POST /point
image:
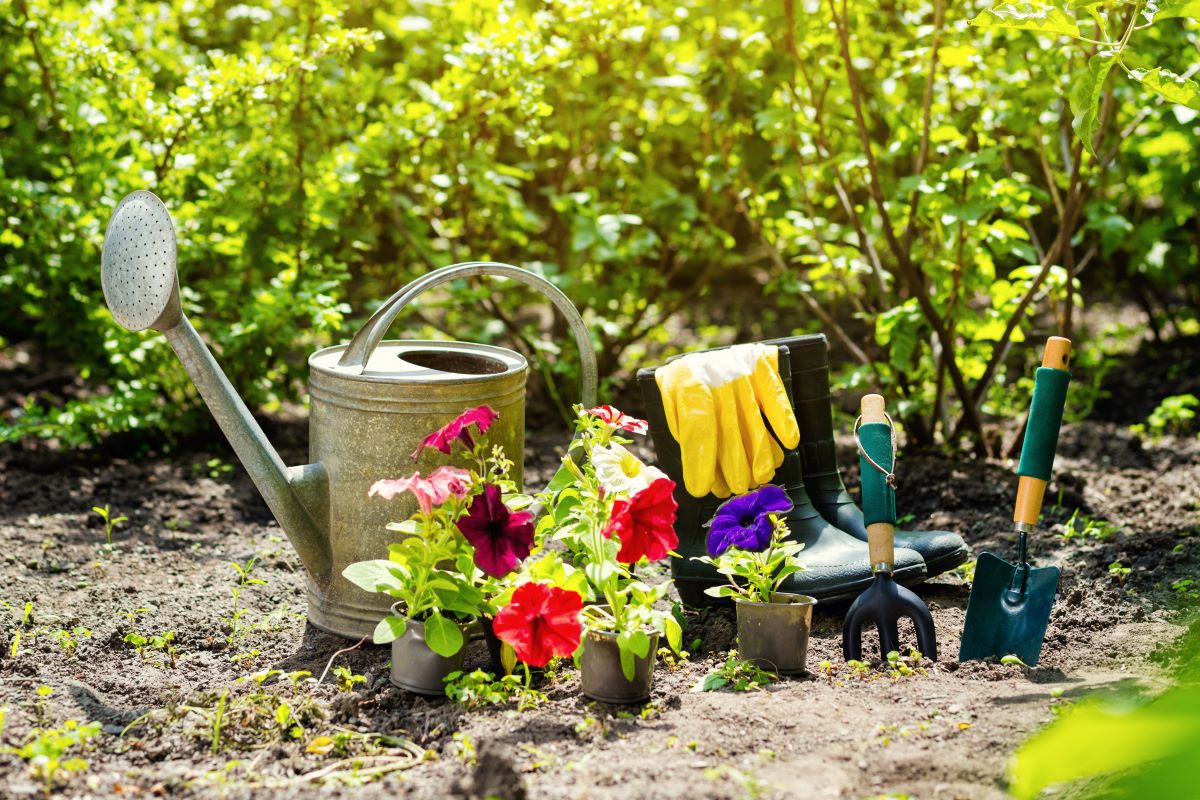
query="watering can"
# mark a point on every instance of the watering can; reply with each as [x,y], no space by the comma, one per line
[372,401]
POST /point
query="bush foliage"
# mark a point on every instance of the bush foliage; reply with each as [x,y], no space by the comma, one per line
[928,192]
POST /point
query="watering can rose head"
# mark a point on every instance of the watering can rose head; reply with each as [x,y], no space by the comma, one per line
[458,430]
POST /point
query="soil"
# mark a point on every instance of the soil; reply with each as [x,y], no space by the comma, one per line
[945,731]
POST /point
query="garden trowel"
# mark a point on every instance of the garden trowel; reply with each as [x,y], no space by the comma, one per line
[1009,606]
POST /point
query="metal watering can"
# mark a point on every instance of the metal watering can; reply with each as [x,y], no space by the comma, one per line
[372,401]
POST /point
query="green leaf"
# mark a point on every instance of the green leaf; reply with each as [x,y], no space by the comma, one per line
[442,635]
[1152,744]
[722,591]
[1178,8]
[374,576]
[389,629]
[1174,88]
[674,633]
[1086,91]
[1041,17]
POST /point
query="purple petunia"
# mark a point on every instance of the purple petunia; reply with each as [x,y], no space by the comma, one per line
[743,521]
[501,538]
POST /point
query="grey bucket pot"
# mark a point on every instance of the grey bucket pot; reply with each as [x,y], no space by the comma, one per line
[372,401]
[774,635]
[601,676]
[417,668]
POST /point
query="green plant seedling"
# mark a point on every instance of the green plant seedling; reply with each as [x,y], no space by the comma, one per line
[1119,571]
[68,640]
[347,678]
[735,675]
[110,523]
[1084,527]
[244,580]
[478,688]
[46,751]
[1174,415]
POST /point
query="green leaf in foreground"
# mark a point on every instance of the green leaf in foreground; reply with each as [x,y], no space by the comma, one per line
[1086,91]
[1152,748]
[1041,17]
[1174,88]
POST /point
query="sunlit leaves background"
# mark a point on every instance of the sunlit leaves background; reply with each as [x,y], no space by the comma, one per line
[689,173]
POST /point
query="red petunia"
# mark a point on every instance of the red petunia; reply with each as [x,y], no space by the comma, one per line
[540,622]
[619,419]
[645,523]
[501,538]
[458,429]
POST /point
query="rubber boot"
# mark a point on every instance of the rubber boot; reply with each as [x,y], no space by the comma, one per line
[808,356]
[836,565]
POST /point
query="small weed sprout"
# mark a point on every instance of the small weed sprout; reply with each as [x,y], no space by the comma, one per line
[1186,587]
[671,660]
[905,666]
[21,626]
[68,640]
[478,688]
[236,630]
[110,523]
[1119,572]
[146,644]
[735,675]
[347,678]
[1175,415]
[46,750]
[1078,527]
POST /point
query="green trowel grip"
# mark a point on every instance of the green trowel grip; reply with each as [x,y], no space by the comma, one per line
[1045,418]
[879,499]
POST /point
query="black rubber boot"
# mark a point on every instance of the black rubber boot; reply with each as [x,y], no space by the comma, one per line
[808,356]
[836,565]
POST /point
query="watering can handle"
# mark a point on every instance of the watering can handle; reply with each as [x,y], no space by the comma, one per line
[355,357]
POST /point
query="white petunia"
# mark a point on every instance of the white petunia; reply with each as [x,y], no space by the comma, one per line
[621,472]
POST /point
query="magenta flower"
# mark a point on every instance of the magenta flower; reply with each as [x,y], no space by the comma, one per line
[501,538]
[458,429]
[431,491]
[618,419]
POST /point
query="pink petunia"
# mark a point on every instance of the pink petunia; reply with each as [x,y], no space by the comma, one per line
[430,492]
[619,419]
[458,429]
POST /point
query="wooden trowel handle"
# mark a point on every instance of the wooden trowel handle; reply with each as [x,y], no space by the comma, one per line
[1030,490]
[880,535]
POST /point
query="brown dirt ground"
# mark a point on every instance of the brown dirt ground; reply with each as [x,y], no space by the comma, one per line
[943,733]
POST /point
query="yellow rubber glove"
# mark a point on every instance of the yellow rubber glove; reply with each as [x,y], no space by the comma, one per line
[715,403]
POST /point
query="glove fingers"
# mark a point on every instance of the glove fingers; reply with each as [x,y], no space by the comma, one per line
[731,454]
[720,488]
[754,434]
[689,411]
[773,399]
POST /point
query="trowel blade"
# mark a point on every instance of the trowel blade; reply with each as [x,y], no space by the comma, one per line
[1002,622]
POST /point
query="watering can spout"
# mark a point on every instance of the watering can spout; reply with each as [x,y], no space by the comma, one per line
[298,496]
[141,288]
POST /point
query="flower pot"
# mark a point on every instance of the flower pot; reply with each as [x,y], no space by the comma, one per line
[494,645]
[417,668]
[602,677]
[774,635]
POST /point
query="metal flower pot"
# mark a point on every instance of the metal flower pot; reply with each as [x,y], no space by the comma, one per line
[372,401]
[601,673]
[417,668]
[774,635]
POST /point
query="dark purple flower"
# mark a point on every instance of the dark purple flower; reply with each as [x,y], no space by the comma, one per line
[743,521]
[501,538]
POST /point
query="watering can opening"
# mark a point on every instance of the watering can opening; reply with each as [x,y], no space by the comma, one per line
[449,361]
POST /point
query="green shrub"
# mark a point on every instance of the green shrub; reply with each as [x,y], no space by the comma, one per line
[669,168]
